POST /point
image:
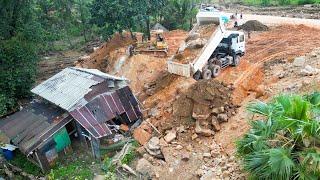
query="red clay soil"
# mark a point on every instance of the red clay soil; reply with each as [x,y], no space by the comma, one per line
[279,42]
[99,58]
[282,42]
[174,39]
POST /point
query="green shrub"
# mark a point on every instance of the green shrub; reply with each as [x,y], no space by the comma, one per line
[284,140]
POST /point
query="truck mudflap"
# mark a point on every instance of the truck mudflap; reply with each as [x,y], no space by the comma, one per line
[179,69]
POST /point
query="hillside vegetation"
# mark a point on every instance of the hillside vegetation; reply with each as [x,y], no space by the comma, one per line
[284,139]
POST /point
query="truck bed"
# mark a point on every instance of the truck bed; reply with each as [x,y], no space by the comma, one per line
[186,66]
[190,54]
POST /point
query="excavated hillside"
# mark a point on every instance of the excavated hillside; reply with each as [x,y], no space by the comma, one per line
[171,103]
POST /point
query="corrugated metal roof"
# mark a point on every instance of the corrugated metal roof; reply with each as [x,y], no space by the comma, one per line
[94,116]
[67,88]
[27,127]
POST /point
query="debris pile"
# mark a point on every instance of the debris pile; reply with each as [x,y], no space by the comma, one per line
[207,101]
[254,25]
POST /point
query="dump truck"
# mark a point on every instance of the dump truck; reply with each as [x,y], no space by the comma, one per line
[222,49]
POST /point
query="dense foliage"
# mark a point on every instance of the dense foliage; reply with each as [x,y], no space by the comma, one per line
[284,139]
[19,35]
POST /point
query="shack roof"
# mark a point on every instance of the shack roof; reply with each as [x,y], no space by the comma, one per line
[95,116]
[33,125]
[68,88]
[158,26]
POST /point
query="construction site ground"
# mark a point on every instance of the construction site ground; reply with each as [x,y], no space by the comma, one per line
[267,69]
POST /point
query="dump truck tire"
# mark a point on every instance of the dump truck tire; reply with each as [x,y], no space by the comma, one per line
[207,74]
[236,60]
[215,70]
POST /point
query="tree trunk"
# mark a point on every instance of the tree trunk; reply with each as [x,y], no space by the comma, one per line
[148,27]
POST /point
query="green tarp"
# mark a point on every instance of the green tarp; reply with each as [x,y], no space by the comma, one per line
[62,139]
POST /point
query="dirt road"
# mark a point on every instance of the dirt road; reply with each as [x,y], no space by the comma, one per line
[276,20]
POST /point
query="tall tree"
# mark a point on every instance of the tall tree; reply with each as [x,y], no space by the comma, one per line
[19,36]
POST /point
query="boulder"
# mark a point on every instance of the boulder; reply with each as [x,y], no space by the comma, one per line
[222,118]
[215,124]
[196,44]
[193,36]
[145,168]
[309,71]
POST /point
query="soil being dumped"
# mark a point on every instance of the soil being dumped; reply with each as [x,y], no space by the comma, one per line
[194,43]
[254,25]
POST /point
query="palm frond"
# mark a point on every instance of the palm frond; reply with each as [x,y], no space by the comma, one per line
[281,162]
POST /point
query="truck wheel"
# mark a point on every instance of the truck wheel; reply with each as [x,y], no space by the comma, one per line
[236,60]
[215,70]
[197,75]
[207,74]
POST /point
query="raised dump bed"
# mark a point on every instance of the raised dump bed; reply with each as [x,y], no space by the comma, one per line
[208,48]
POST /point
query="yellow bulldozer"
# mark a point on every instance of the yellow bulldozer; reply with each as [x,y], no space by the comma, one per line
[156,46]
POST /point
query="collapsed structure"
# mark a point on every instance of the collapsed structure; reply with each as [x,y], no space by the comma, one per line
[84,104]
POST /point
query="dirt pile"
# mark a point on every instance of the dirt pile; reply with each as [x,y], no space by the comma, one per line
[254,25]
[207,101]
[99,58]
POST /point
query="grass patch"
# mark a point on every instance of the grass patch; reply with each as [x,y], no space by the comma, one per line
[74,170]
[21,161]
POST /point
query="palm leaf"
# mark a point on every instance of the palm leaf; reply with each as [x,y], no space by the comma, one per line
[281,162]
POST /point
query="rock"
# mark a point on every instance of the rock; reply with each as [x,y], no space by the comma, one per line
[215,111]
[222,118]
[141,136]
[153,147]
[154,112]
[154,143]
[281,75]
[200,172]
[193,36]
[144,167]
[185,157]
[221,109]
[206,155]
[208,175]
[226,174]
[150,92]
[215,124]
[201,111]
[179,147]
[309,71]
[162,142]
[194,136]
[181,129]
[170,136]
[196,44]
[214,153]
[299,61]
[189,147]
